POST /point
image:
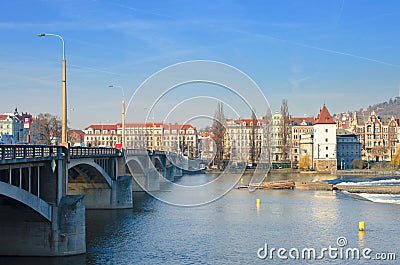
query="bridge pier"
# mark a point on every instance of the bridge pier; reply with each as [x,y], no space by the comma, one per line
[150,181]
[23,233]
[37,218]
[177,172]
[119,196]
[153,180]
[101,178]
[172,172]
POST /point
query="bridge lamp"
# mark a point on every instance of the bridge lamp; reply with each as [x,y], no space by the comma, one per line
[64,141]
[122,114]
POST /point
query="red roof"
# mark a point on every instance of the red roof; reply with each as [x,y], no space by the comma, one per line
[324,117]
[157,125]
[179,127]
[141,125]
[246,121]
[102,127]
[206,134]
[298,121]
[3,117]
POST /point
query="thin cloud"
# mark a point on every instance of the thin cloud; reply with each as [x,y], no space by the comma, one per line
[140,10]
[299,44]
[297,81]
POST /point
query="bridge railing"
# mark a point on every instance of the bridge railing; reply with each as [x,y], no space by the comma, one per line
[136,151]
[132,152]
[18,152]
[77,152]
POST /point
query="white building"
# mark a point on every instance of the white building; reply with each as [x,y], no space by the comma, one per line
[301,138]
[206,146]
[239,139]
[180,139]
[175,138]
[324,142]
[14,128]
[101,135]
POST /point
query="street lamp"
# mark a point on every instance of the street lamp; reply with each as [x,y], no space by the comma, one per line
[123,115]
[152,130]
[64,141]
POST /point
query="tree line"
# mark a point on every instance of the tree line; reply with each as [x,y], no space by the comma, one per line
[221,136]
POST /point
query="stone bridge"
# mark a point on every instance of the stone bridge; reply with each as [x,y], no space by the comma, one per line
[150,168]
[44,191]
[37,216]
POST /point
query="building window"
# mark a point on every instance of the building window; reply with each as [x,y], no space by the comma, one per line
[326,139]
[326,155]
[326,148]
[326,130]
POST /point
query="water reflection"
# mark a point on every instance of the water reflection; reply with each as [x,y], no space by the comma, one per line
[79,259]
[361,243]
[231,229]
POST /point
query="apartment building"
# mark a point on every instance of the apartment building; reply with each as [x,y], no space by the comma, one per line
[244,139]
[378,136]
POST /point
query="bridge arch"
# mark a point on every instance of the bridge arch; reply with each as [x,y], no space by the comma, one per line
[158,165]
[89,164]
[28,199]
[135,165]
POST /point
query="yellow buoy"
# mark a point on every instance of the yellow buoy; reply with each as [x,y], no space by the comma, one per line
[241,180]
[258,201]
[361,226]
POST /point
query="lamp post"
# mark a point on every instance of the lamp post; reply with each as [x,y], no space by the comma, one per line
[122,114]
[152,130]
[64,141]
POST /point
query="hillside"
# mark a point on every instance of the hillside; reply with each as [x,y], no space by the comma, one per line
[387,108]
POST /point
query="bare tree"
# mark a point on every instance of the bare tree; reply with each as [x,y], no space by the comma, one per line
[74,137]
[285,130]
[255,146]
[266,145]
[218,129]
[46,129]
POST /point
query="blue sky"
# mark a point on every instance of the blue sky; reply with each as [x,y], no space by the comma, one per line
[342,53]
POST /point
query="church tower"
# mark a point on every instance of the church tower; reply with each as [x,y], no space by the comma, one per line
[324,144]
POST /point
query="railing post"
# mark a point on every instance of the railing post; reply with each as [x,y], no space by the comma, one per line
[30,179]
[10,174]
[20,178]
[38,181]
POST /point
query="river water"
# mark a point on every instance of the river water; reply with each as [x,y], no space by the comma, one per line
[232,229]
